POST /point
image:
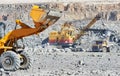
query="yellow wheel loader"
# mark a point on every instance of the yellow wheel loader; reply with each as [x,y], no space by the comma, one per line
[11,57]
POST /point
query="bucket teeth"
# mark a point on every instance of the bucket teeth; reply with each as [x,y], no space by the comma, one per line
[51,11]
[55,13]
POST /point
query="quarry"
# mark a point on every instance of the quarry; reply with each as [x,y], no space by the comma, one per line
[55,60]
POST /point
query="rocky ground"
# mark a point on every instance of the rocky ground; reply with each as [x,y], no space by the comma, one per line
[60,62]
[51,61]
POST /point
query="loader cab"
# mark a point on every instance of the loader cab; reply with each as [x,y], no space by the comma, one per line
[0,33]
[0,37]
[2,29]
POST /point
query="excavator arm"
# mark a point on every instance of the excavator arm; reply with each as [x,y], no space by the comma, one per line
[82,32]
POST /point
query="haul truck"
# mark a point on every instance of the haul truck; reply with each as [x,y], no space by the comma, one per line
[11,57]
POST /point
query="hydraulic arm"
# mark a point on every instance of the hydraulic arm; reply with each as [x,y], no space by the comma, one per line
[12,58]
[82,32]
[42,19]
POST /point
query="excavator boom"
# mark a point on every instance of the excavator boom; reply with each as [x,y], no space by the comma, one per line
[82,32]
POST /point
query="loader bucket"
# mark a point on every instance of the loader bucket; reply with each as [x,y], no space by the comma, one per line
[42,16]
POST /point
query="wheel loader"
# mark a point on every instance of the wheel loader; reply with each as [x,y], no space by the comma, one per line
[12,56]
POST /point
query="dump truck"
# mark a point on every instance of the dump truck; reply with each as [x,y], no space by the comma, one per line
[69,34]
[12,56]
[100,46]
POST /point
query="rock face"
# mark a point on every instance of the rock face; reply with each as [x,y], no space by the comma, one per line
[72,11]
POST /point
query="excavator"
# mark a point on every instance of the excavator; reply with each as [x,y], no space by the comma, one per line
[12,56]
[68,34]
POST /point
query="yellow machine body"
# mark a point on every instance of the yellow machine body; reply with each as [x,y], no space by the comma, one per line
[69,34]
[42,20]
[65,36]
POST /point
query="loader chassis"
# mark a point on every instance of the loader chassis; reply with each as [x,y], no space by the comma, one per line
[11,58]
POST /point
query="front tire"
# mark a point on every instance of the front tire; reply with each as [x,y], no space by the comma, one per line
[105,49]
[26,61]
[10,61]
